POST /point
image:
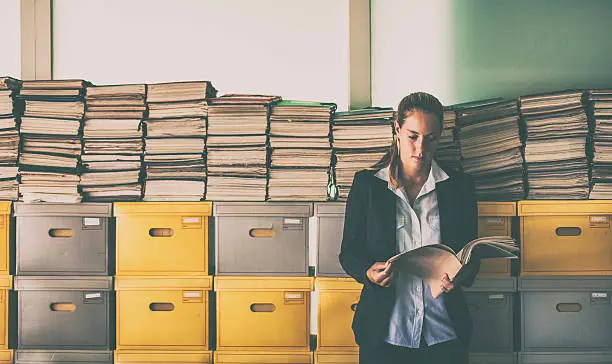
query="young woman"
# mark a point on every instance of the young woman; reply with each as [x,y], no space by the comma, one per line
[404,202]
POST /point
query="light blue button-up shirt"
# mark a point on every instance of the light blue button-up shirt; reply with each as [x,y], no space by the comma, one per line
[416,313]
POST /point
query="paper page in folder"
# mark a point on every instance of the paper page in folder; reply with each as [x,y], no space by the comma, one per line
[429,263]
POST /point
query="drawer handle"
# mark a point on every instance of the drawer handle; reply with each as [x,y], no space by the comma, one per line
[161,306]
[62,307]
[263,307]
[569,307]
[261,233]
[568,231]
[161,232]
[60,233]
[354,307]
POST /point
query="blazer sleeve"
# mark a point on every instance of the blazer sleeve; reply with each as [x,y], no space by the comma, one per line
[352,251]
[470,229]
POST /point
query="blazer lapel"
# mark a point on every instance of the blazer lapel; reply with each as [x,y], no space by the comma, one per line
[386,209]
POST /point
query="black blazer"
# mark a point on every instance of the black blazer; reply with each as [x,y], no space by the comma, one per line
[370,236]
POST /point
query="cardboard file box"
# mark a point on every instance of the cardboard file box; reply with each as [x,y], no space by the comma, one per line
[262,357]
[162,238]
[566,313]
[330,225]
[495,218]
[63,357]
[64,313]
[338,299]
[62,239]
[265,314]
[5,237]
[566,237]
[268,238]
[491,304]
[329,357]
[162,357]
[162,313]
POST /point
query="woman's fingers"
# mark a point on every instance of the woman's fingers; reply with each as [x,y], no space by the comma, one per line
[446,284]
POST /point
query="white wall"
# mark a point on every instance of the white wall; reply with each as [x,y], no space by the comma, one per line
[474,49]
[411,49]
[10,38]
[293,48]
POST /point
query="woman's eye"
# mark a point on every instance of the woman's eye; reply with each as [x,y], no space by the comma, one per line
[413,137]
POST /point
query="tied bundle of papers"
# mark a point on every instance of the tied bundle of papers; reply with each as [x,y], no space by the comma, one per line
[448,154]
[431,262]
[491,149]
[9,138]
[175,140]
[600,118]
[301,152]
[556,131]
[237,147]
[51,143]
[112,142]
[360,138]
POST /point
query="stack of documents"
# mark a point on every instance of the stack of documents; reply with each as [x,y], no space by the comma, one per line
[448,154]
[360,138]
[9,138]
[556,131]
[601,121]
[51,143]
[491,149]
[112,142]
[237,147]
[175,140]
[301,151]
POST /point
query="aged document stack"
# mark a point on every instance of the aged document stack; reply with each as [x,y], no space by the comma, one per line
[448,153]
[9,138]
[51,144]
[556,131]
[600,112]
[491,149]
[175,140]
[360,138]
[237,147]
[112,142]
[301,151]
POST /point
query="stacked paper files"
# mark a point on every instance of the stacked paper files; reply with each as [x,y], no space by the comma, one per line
[600,115]
[175,149]
[491,149]
[237,147]
[113,142]
[10,111]
[360,138]
[556,131]
[301,152]
[51,140]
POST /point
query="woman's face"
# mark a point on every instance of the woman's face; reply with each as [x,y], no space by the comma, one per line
[418,139]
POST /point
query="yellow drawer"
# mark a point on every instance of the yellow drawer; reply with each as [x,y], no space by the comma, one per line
[163,357]
[162,238]
[5,223]
[262,357]
[163,313]
[336,358]
[263,313]
[338,298]
[495,218]
[6,356]
[566,237]
[6,284]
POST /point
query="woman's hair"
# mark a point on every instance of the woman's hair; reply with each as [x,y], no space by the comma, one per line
[420,101]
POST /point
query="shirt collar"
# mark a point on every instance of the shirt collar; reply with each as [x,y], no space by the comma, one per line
[436,175]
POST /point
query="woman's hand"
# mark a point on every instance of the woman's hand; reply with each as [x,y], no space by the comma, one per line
[446,284]
[380,274]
